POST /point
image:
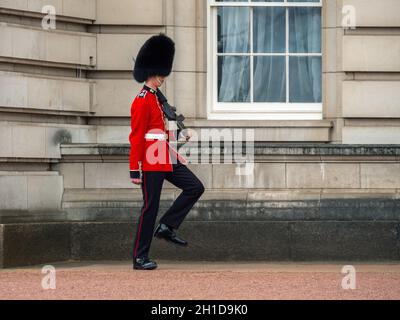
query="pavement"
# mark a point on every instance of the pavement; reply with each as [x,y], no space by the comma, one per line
[203,280]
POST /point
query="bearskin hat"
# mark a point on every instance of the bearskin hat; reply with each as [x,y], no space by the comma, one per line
[155,58]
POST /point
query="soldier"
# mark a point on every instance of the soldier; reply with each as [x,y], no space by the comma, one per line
[152,159]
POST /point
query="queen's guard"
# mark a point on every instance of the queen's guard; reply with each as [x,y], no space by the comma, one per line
[152,158]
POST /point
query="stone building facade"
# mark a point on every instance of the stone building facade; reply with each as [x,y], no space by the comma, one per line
[65,96]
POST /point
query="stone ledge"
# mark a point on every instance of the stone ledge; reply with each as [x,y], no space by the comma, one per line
[86,15]
[239,204]
[39,15]
[228,211]
[48,64]
[260,148]
[199,123]
[231,205]
[58,31]
[29,244]
[46,112]
[32,216]
[248,195]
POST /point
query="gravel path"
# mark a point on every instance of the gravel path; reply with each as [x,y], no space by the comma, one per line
[172,280]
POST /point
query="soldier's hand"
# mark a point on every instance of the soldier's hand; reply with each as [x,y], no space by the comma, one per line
[136,181]
[189,135]
[186,134]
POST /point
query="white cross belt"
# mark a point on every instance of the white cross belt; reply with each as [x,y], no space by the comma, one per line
[156,136]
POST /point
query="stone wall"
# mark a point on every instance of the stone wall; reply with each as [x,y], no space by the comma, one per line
[65,94]
[371,61]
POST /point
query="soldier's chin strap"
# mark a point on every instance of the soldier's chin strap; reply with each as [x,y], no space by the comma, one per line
[159,81]
[170,111]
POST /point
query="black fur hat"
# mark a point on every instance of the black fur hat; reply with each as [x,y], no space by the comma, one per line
[155,58]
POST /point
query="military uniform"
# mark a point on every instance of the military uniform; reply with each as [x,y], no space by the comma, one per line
[154,160]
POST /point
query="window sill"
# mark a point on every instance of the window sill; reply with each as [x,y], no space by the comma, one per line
[259,123]
[271,130]
[265,116]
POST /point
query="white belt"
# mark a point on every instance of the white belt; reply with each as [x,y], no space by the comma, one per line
[156,136]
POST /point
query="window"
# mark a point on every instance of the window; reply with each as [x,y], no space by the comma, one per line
[265,59]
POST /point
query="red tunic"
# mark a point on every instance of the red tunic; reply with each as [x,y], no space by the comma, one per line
[148,154]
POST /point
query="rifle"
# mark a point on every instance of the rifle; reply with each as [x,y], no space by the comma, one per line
[170,112]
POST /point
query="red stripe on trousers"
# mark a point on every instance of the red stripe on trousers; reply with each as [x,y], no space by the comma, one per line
[141,216]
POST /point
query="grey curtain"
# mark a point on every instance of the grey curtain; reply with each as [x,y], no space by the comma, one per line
[269,31]
[305,72]
[234,71]
[269,36]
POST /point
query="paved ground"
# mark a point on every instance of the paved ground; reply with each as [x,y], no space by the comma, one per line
[116,280]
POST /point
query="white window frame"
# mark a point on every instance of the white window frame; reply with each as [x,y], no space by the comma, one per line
[254,110]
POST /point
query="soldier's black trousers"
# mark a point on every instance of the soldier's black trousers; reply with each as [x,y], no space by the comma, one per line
[152,182]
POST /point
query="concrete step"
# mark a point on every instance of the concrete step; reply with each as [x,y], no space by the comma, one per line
[265,225]
[241,204]
[217,210]
[41,243]
[275,230]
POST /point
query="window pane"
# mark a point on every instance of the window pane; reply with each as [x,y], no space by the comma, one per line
[303,0]
[233,79]
[269,79]
[305,79]
[233,29]
[305,30]
[269,29]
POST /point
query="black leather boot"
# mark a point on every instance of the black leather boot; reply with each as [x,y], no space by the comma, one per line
[165,232]
[144,264]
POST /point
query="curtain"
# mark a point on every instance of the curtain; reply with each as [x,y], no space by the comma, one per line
[269,36]
[305,72]
[269,32]
[234,71]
